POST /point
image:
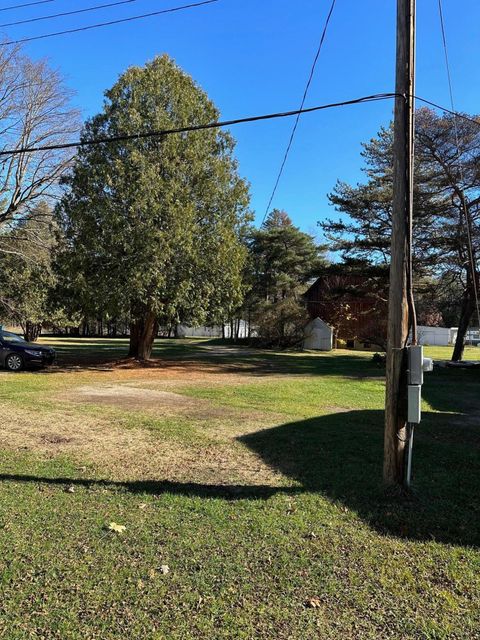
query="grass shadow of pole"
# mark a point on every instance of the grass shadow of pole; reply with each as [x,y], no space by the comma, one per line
[340,455]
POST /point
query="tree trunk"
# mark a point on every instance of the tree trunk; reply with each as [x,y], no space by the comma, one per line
[143,331]
[468,307]
[32,331]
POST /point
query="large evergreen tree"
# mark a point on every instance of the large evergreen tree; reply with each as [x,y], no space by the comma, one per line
[152,224]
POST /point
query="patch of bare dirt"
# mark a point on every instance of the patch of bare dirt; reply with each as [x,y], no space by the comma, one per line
[55,438]
[155,401]
[124,396]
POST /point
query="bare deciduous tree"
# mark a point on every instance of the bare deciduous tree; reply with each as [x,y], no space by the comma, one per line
[35,110]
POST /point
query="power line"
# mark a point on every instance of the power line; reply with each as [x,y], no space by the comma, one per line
[466,210]
[225,123]
[457,114]
[67,13]
[111,22]
[295,125]
[199,127]
[27,4]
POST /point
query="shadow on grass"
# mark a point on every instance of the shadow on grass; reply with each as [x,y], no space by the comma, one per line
[154,487]
[340,456]
[205,356]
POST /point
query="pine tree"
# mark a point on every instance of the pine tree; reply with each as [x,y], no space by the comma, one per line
[152,225]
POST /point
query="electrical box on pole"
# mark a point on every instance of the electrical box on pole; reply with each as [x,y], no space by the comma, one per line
[417,364]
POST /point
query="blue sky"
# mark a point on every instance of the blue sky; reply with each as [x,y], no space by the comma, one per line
[254,56]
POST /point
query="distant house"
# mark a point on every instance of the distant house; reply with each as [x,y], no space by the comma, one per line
[354,305]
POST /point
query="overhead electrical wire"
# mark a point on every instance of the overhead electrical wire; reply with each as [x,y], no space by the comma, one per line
[466,210]
[110,22]
[67,13]
[295,125]
[217,125]
[457,114]
[26,4]
[199,127]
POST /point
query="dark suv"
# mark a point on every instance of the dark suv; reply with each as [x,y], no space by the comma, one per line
[16,353]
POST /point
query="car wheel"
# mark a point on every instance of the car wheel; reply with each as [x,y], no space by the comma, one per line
[14,362]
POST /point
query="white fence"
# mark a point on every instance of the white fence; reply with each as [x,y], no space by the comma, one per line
[444,336]
[184,331]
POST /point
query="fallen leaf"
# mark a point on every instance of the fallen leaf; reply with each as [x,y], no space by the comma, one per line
[313,603]
[142,505]
[119,528]
[164,569]
[70,489]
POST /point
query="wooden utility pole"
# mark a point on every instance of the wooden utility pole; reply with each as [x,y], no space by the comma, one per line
[396,436]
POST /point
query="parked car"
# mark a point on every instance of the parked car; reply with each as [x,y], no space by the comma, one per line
[16,353]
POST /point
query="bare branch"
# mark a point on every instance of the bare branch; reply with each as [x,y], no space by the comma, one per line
[34,109]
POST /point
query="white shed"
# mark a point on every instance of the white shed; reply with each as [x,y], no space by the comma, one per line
[318,336]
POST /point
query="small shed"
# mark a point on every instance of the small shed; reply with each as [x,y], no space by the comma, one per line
[318,336]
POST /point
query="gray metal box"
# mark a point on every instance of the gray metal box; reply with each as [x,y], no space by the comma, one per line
[415,364]
[414,412]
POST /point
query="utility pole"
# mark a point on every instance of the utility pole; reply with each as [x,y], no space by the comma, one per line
[400,303]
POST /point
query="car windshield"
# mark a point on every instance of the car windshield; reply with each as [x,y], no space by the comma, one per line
[11,337]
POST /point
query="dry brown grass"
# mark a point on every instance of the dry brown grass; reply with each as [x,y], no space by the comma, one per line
[121,453]
[92,409]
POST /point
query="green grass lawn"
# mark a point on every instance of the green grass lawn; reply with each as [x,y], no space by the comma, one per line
[255,477]
[445,353]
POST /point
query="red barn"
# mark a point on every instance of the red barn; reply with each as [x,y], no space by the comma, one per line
[354,305]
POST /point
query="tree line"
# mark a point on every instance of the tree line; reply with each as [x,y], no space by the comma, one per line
[138,234]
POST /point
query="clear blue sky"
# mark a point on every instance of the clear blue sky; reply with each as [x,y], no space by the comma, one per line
[253,56]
